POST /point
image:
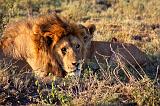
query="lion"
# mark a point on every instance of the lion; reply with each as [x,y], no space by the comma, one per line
[47,44]
[116,52]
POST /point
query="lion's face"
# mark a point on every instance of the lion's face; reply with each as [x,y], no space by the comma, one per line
[69,53]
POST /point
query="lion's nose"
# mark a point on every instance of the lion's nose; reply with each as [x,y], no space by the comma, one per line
[75,64]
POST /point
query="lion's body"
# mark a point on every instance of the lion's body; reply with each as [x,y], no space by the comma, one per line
[37,41]
[122,53]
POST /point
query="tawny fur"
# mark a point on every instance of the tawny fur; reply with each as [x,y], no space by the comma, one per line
[123,53]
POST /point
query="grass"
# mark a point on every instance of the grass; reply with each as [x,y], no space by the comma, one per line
[125,20]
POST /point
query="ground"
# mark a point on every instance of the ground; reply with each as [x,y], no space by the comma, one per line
[129,21]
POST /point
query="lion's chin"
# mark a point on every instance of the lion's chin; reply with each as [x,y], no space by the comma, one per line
[75,73]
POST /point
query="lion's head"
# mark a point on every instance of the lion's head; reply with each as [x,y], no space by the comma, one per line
[47,43]
[69,51]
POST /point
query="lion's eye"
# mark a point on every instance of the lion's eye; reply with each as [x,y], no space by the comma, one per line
[77,46]
[64,50]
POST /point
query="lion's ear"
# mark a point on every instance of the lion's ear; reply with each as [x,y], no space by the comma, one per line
[44,42]
[91,28]
[42,39]
[48,40]
[37,29]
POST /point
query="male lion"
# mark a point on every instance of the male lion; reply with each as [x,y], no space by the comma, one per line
[47,43]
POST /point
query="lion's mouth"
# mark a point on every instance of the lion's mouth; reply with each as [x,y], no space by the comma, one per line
[74,73]
[77,71]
